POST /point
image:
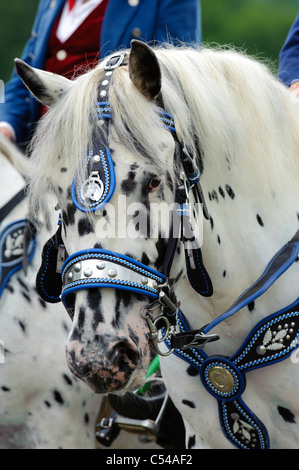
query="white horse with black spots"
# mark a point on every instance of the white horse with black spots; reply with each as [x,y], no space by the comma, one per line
[213,136]
[42,405]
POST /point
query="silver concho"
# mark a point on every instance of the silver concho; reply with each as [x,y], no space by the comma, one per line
[93,188]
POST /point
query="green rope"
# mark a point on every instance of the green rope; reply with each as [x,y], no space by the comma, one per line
[153,367]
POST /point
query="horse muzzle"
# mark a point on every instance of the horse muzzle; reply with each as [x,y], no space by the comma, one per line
[106,369]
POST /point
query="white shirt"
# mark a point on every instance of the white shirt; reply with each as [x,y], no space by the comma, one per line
[71,20]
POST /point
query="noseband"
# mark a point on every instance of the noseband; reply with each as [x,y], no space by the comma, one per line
[103,268]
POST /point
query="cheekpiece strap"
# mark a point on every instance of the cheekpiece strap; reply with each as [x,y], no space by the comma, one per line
[196,271]
[197,274]
[99,185]
[106,269]
[12,249]
[48,278]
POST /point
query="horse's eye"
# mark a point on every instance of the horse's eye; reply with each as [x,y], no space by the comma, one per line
[154,183]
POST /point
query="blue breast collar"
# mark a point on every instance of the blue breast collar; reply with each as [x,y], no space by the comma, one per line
[272,340]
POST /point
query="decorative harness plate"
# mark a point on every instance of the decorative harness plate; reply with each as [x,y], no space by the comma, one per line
[98,188]
[273,339]
[13,249]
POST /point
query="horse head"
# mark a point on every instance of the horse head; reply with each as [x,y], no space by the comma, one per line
[130,149]
[117,207]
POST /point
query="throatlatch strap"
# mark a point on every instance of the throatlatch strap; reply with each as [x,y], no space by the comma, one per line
[273,339]
[12,250]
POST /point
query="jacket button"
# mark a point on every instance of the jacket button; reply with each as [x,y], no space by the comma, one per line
[136,33]
[133,3]
[61,55]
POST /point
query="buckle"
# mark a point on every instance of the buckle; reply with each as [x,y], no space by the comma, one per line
[115,61]
[191,339]
[106,423]
[61,257]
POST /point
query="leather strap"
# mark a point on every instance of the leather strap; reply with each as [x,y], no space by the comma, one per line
[8,207]
[48,280]
[277,266]
[102,268]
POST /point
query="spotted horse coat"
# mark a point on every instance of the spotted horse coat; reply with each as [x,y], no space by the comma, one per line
[236,127]
[43,406]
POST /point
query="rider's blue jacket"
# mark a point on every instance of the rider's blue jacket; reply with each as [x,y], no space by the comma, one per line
[156,20]
[288,69]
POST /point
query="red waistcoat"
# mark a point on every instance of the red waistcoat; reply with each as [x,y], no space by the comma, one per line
[81,50]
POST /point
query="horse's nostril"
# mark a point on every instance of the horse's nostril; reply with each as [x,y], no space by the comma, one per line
[124,355]
[132,355]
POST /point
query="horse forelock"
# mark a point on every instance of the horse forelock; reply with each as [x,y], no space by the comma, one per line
[63,134]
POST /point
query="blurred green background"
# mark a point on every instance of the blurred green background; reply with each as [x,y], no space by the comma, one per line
[258,26]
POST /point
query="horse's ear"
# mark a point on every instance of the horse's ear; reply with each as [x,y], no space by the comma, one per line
[144,69]
[47,87]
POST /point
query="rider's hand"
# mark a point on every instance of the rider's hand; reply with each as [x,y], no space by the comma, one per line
[5,131]
[294,88]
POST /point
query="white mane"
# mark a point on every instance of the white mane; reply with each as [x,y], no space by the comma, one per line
[227,103]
